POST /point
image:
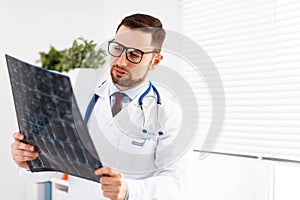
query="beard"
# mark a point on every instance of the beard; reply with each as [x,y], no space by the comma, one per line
[126,80]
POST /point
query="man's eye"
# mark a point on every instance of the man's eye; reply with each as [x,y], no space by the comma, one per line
[117,48]
[134,54]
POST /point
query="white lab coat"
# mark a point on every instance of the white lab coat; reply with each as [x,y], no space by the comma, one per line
[156,178]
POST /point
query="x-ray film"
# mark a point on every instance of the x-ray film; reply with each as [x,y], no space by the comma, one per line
[48,116]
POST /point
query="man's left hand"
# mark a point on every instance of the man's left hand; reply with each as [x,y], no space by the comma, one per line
[113,184]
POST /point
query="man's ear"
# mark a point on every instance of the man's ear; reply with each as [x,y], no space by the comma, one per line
[155,61]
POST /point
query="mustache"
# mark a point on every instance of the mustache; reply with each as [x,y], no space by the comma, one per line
[121,68]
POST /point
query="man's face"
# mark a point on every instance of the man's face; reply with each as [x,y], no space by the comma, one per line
[125,74]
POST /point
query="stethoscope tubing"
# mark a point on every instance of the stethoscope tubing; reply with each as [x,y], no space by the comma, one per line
[95,98]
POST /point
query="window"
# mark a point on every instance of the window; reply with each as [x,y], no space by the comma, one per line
[255,46]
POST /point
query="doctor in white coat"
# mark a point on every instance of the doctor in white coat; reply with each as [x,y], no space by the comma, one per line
[134,169]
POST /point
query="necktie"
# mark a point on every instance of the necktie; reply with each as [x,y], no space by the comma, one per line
[117,105]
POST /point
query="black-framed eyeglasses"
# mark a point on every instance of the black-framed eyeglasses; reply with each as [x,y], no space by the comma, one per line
[133,55]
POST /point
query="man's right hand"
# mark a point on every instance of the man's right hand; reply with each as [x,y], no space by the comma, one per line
[22,152]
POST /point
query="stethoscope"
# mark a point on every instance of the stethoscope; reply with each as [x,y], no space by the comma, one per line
[147,134]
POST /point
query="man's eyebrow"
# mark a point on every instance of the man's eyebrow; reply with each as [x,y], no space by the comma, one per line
[114,40]
[140,49]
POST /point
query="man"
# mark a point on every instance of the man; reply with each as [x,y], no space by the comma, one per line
[135,51]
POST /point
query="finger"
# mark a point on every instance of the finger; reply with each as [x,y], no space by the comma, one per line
[107,171]
[22,146]
[111,181]
[17,152]
[18,136]
[23,158]
[20,155]
[110,188]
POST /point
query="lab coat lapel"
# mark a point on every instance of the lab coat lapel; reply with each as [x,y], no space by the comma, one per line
[105,115]
[130,118]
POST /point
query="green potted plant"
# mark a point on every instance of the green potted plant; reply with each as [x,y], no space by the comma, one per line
[82,54]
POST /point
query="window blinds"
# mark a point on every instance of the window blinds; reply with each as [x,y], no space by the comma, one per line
[255,45]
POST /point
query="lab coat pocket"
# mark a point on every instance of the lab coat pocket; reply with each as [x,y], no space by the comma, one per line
[138,145]
[135,154]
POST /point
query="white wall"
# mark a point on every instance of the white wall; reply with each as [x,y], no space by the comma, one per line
[220,177]
[28,27]
[286,182]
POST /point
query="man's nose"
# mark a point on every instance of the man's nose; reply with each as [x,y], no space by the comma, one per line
[122,60]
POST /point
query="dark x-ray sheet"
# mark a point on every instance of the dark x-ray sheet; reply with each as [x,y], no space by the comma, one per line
[49,118]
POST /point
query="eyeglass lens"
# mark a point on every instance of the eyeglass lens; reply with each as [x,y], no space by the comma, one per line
[133,55]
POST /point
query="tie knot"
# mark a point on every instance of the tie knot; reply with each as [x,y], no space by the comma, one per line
[118,96]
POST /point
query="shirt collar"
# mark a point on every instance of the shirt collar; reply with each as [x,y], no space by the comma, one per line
[131,93]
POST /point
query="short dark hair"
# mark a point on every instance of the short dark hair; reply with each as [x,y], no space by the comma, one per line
[147,24]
